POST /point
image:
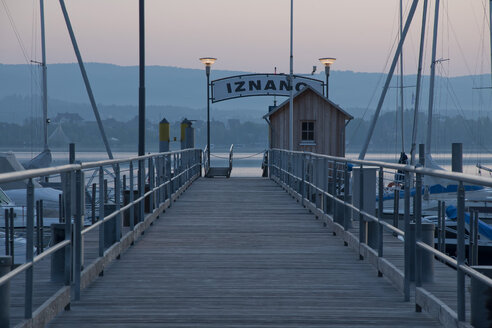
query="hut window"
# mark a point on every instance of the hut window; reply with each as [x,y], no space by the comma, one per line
[307,131]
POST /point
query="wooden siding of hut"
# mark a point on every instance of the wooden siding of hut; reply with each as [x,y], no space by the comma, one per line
[329,125]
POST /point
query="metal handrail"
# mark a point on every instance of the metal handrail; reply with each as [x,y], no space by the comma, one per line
[35,173]
[294,170]
[462,177]
[186,167]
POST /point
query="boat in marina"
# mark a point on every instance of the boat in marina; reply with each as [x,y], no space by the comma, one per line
[436,191]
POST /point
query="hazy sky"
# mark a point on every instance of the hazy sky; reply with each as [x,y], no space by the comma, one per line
[250,35]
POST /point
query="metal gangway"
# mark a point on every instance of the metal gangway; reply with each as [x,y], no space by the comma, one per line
[218,171]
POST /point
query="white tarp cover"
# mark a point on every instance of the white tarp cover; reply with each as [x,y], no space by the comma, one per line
[9,163]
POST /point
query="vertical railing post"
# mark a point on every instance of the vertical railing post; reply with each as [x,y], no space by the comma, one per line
[470,237]
[151,184]
[29,250]
[141,189]
[396,206]
[106,191]
[418,232]
[443,218]
[380,215]
[314,180]
[169,179]
[325,199]
[41,222]
[346,194]
[132,198]
[406,286]
[362,225]
[101,211]
[475,239]
[117,200]
[158,178]
[457,166]
[461,251]
[439,226]
[12,236]
[303,181]
[38,230]
[7,232]
[78,233]
[68,228]
[333,191]
[418,229]
[93,204]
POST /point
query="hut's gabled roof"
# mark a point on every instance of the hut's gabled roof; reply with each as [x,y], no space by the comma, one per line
[300,92]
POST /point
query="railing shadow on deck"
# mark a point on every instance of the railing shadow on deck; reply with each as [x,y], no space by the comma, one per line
[91,236]
[324,185]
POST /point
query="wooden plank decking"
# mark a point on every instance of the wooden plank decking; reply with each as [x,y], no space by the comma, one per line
[240,252]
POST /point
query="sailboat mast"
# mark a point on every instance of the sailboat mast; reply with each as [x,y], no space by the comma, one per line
[363,152]
[432,82]
[45,79]
[490,26]
[85,78]
[291,79]
[401,81]
[419,82]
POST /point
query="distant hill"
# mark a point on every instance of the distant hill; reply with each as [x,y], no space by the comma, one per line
[174,92]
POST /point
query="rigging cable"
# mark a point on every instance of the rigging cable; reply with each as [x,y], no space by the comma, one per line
[16,32]
[377,85]
[239,158]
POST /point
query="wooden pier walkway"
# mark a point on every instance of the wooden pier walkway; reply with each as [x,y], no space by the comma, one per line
[240,252]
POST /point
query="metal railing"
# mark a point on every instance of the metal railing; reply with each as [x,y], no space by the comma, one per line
[167,175]
[231,152]
[323,182]
[206,161]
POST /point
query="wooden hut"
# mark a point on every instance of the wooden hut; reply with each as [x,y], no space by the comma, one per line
[319,124]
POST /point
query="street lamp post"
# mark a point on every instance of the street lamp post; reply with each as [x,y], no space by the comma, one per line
[141,89]
[327,62]
[208,61]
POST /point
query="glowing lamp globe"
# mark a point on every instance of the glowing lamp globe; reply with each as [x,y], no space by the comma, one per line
[327,61]
[208,61]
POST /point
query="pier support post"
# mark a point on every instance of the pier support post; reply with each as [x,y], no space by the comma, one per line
[164,137]
[187,134]
[58,258]
[481,294]
[5,265]
[368,232]
[426,258]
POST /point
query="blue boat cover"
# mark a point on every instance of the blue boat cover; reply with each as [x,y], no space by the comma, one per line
[483,228]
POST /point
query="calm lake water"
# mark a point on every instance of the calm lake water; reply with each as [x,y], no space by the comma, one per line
[248,164]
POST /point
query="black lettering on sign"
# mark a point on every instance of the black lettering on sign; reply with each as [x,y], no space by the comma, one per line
[285,85]
[229,88]
[270,85]
[240,86]
[300,86]
[254,85]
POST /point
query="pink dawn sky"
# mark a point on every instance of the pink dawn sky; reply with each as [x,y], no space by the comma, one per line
[250,35]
